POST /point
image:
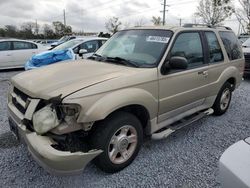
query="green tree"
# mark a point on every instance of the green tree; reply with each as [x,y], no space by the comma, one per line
[214,12]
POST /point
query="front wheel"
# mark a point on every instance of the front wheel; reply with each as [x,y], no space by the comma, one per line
[223,99]
[120,137]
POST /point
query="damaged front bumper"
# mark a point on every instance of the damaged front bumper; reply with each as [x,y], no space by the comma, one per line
[54,161]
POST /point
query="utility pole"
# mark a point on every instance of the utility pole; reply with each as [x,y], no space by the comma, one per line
[36,28]
[164,13]
[64,17]
[248,8]
[180,21]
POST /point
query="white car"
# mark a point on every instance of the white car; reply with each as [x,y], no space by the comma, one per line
[246,51]
[234,165]
[83,47]
[15,53]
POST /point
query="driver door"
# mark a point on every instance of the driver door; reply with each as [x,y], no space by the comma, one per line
[182,90]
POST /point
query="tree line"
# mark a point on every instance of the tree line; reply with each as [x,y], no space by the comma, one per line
[32,30]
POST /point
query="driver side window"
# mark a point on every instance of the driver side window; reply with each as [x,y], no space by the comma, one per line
[189,46]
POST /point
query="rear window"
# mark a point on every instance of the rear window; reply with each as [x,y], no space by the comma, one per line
[231,44]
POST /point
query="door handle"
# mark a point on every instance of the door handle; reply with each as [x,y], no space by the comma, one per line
[8,55]
[203,73]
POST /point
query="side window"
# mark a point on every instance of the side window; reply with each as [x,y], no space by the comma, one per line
[231,44]
[189,45]
[18,45]
[90,46]
[4,46]
[33,46]
[215,52]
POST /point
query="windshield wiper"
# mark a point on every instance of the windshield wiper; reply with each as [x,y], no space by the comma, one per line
[122,61]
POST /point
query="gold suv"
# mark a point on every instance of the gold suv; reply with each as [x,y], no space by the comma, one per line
[142,81]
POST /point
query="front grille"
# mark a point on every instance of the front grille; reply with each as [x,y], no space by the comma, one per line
[23,96]
[20,100]
[18,106]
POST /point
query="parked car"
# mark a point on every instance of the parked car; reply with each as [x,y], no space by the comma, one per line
[15,53]
[235,164]
[243,38]
[71,50]
[47,42]
[63,40]
[246,50]
[142,81]
[83,47]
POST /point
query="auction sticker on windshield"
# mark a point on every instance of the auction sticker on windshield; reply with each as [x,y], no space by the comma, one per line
[157,39]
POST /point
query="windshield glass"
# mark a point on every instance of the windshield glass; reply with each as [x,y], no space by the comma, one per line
[66,45]
[143,47]
[246,43]
[63,39]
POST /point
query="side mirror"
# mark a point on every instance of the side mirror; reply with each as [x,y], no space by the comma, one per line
[82,51]
[178,62]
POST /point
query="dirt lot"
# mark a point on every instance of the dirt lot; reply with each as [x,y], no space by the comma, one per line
[188,158]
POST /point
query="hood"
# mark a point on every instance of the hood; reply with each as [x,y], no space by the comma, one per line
[66,78]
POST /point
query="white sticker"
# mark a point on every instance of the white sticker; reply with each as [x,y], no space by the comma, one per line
[157,39]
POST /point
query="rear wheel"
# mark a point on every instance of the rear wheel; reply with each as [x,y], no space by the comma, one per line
[223,99]
[120,137]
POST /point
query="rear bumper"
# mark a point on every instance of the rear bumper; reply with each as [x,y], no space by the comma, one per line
[54,161]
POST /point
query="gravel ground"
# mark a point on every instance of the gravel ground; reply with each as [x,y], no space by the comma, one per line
[188,158]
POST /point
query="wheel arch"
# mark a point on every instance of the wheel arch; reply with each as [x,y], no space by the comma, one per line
[139,102]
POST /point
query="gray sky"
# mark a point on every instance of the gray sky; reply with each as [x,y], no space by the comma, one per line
[91,15]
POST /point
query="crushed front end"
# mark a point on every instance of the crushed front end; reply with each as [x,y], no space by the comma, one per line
[50,131]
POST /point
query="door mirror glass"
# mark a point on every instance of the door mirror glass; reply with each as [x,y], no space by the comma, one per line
[177,62]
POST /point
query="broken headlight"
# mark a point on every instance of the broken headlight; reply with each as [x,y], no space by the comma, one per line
[51,116]
[45,119]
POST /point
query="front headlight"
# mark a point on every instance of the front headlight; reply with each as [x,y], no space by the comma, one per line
[45,120]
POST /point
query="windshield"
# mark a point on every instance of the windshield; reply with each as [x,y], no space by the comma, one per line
[67,45]
[142,47]
[63,39]
[246,43]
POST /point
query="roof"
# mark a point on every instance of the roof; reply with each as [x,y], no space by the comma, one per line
[185,27]
[13,39]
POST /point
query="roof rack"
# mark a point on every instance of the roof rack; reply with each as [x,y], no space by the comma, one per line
[205,25]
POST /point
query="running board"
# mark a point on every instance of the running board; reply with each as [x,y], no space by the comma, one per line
[183,123]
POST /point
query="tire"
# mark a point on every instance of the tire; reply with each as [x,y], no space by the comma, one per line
[120,137]
[225,93]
